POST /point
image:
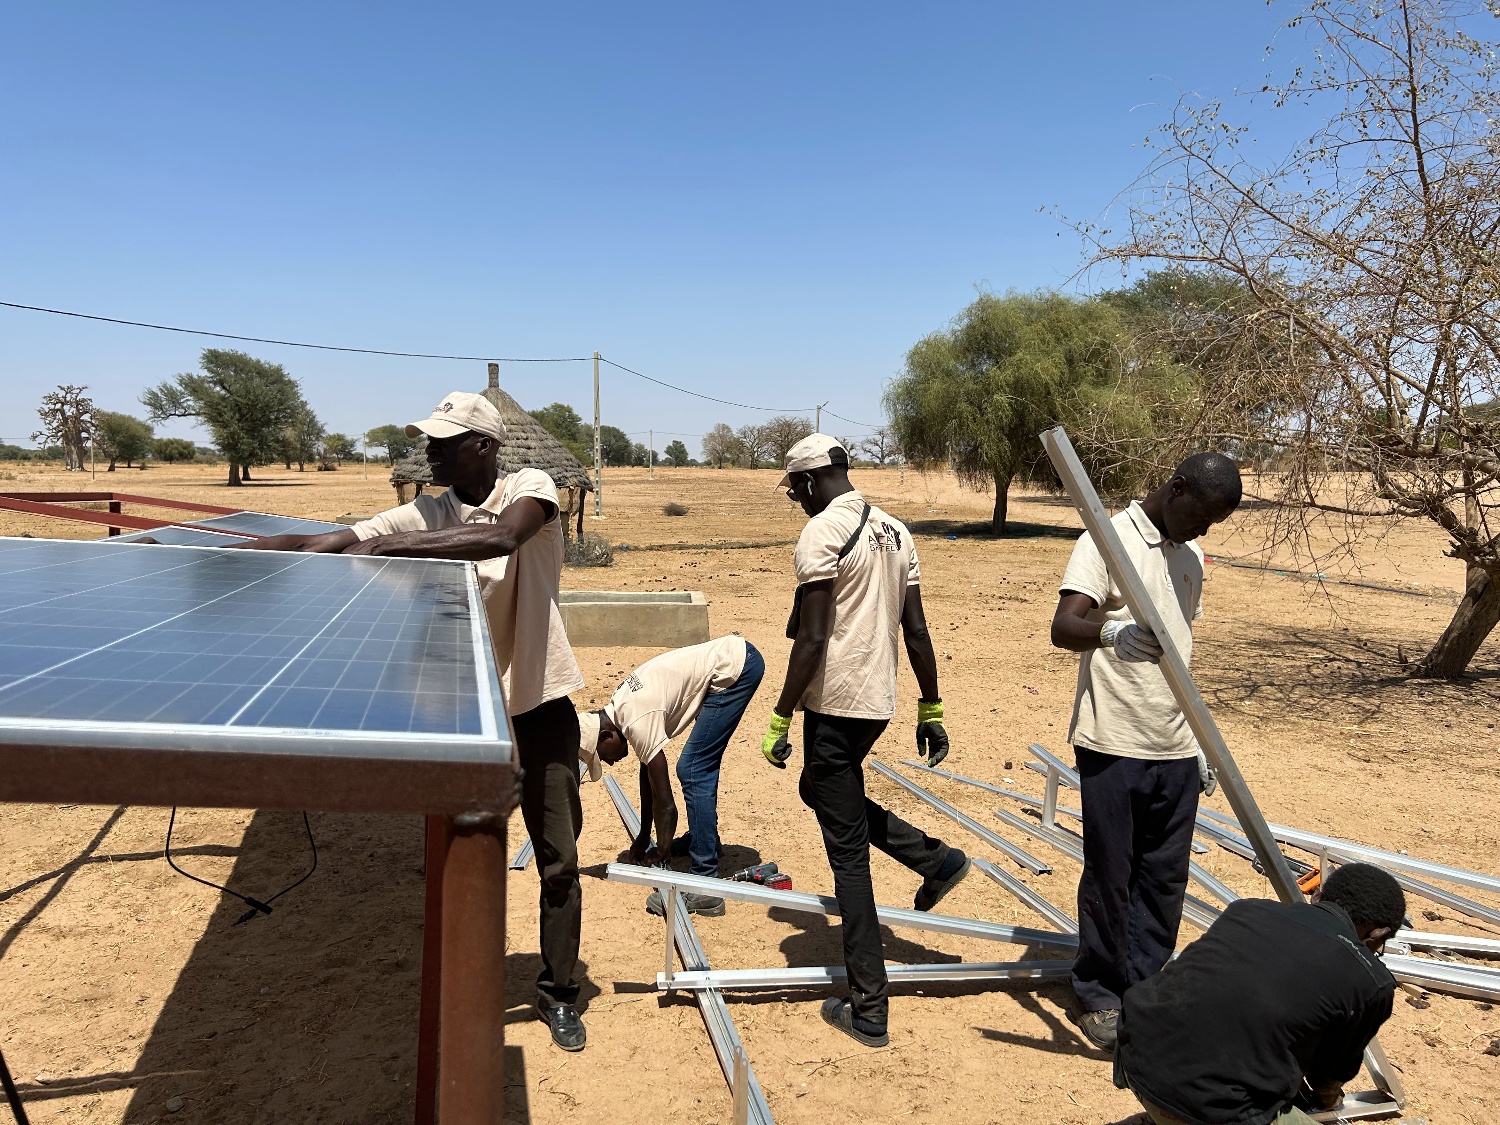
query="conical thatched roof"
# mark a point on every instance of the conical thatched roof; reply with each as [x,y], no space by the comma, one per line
[527,444]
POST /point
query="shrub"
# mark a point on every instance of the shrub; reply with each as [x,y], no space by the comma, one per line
[589,550]
[674,509]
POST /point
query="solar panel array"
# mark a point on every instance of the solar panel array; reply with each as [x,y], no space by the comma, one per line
[102,642]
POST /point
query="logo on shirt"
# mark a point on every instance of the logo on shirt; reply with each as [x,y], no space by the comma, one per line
[633,682]
[890,541]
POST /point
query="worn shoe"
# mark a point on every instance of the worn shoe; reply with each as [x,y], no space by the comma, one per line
[681,845]
[840,1014]
[706,905]
[1102,1029]
[956,867]
[565,1024]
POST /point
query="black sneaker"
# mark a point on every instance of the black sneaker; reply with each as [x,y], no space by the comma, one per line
[840,1014]
[565,1024]
[1102,1028]
[956,867]
[706,905]
[681,845]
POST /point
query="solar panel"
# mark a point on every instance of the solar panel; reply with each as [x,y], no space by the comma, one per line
[173,536]
[192,648]
[264,523]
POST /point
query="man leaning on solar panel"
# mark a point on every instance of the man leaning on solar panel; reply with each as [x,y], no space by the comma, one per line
[508,523]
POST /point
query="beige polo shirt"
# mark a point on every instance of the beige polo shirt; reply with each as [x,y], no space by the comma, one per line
[858,675]
[520,590]
[657,701]
[1122,707]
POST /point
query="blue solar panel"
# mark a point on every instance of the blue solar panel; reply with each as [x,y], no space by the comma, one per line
[123,645]
[263,523]
[179,537]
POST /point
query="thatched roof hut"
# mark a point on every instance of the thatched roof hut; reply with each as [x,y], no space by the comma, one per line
[527,444]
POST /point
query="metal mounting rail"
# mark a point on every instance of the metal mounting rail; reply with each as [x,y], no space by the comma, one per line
[1445,976]
[1057,916]
[1174,670]
[826,904]
[822,976]
[721,1030]
[523,856]
[996,841]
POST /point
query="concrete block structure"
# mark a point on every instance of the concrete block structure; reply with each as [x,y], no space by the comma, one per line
[607,618]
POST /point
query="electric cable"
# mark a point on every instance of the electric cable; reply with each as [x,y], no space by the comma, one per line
[710,398]
[256,906]
[12,1095]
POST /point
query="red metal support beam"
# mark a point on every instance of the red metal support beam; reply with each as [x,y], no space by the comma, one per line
[121,497]
[114,518]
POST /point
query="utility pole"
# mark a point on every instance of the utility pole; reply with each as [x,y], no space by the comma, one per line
[818,425]
[598,449]
[364,445]
[651,454]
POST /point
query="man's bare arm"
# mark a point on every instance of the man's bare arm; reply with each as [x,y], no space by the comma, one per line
[813,631]
[919,643]
[327,543]
[1071,628]
[475,541]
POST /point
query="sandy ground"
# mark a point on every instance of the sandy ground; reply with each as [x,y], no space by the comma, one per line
[124,985]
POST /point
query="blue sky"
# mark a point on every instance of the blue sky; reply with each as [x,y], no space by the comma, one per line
[768,205]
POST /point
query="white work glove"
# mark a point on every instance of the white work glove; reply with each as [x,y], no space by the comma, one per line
[1206,775]
[1130,641]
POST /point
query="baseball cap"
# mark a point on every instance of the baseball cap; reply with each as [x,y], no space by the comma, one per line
[460,412]
[588,744]
[813,452]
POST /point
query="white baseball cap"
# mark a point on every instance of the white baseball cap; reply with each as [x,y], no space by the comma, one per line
[460,412]
[813,452]
[588,744]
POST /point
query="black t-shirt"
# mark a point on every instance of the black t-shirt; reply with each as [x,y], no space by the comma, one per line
[1269,995]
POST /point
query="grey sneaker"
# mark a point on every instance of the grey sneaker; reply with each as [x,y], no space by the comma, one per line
[706,905]
[1101,1028]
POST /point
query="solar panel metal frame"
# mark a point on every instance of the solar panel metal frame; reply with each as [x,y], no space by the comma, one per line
[150,763]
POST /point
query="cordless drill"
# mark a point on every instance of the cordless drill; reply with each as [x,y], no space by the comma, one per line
[766,875]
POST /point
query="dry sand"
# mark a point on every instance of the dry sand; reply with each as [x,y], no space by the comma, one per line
[124,985]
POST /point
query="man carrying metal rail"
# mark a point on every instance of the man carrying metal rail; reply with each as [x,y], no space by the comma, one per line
[508,523]
[1139,765]
[859,588]
[1267,1013]
[708,685]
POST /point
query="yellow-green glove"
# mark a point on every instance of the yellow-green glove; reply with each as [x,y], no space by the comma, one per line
[932,739]
[775,745]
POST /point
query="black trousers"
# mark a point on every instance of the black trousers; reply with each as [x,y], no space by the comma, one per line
[1137,834]
[833,786]
[547,748]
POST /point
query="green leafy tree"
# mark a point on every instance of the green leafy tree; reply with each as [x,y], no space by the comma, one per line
[677,453]
[121,437]
[561,421]
[302,439]
[174,449]
[246,404]
[393,440]
[976,395]
[338,447]
[615,445]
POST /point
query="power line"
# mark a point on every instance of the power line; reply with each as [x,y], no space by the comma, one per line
[851,421]
[295,343]
[710,398]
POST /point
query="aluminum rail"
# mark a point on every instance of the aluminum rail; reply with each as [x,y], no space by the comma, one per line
[523,856]
[721,1029]
[822,976]
[1174,669]
[1456,943]
[1363,853]
[662,878]
[996,841]
[1445,976]
[1057,916]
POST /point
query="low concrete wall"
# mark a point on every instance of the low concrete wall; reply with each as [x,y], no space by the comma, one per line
[609,619]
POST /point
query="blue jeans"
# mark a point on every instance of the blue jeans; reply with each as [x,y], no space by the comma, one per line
[698,765]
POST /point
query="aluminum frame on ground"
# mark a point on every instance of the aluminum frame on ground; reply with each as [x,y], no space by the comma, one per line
[721,1030]
[1000,843]
[1174,670]
[808,903]
[1057,916]
[823,976]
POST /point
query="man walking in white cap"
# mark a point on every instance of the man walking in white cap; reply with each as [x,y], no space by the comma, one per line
[509,524]
[859,587]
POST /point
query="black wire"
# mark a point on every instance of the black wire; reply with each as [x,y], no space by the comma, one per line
[12,1095]
[255,905]
[710,398]
[294,343]
[851,421]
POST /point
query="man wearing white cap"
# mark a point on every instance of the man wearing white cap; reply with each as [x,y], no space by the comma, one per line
[508,523]
[707,685]
[859,587]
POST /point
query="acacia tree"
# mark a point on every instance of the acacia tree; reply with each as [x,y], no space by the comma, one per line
[301,440]
[121,437]
[67,416]
[977,394]
[881,446]
[677,453]
[755,445]
[245,402]
[721,446]
[1371,246]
